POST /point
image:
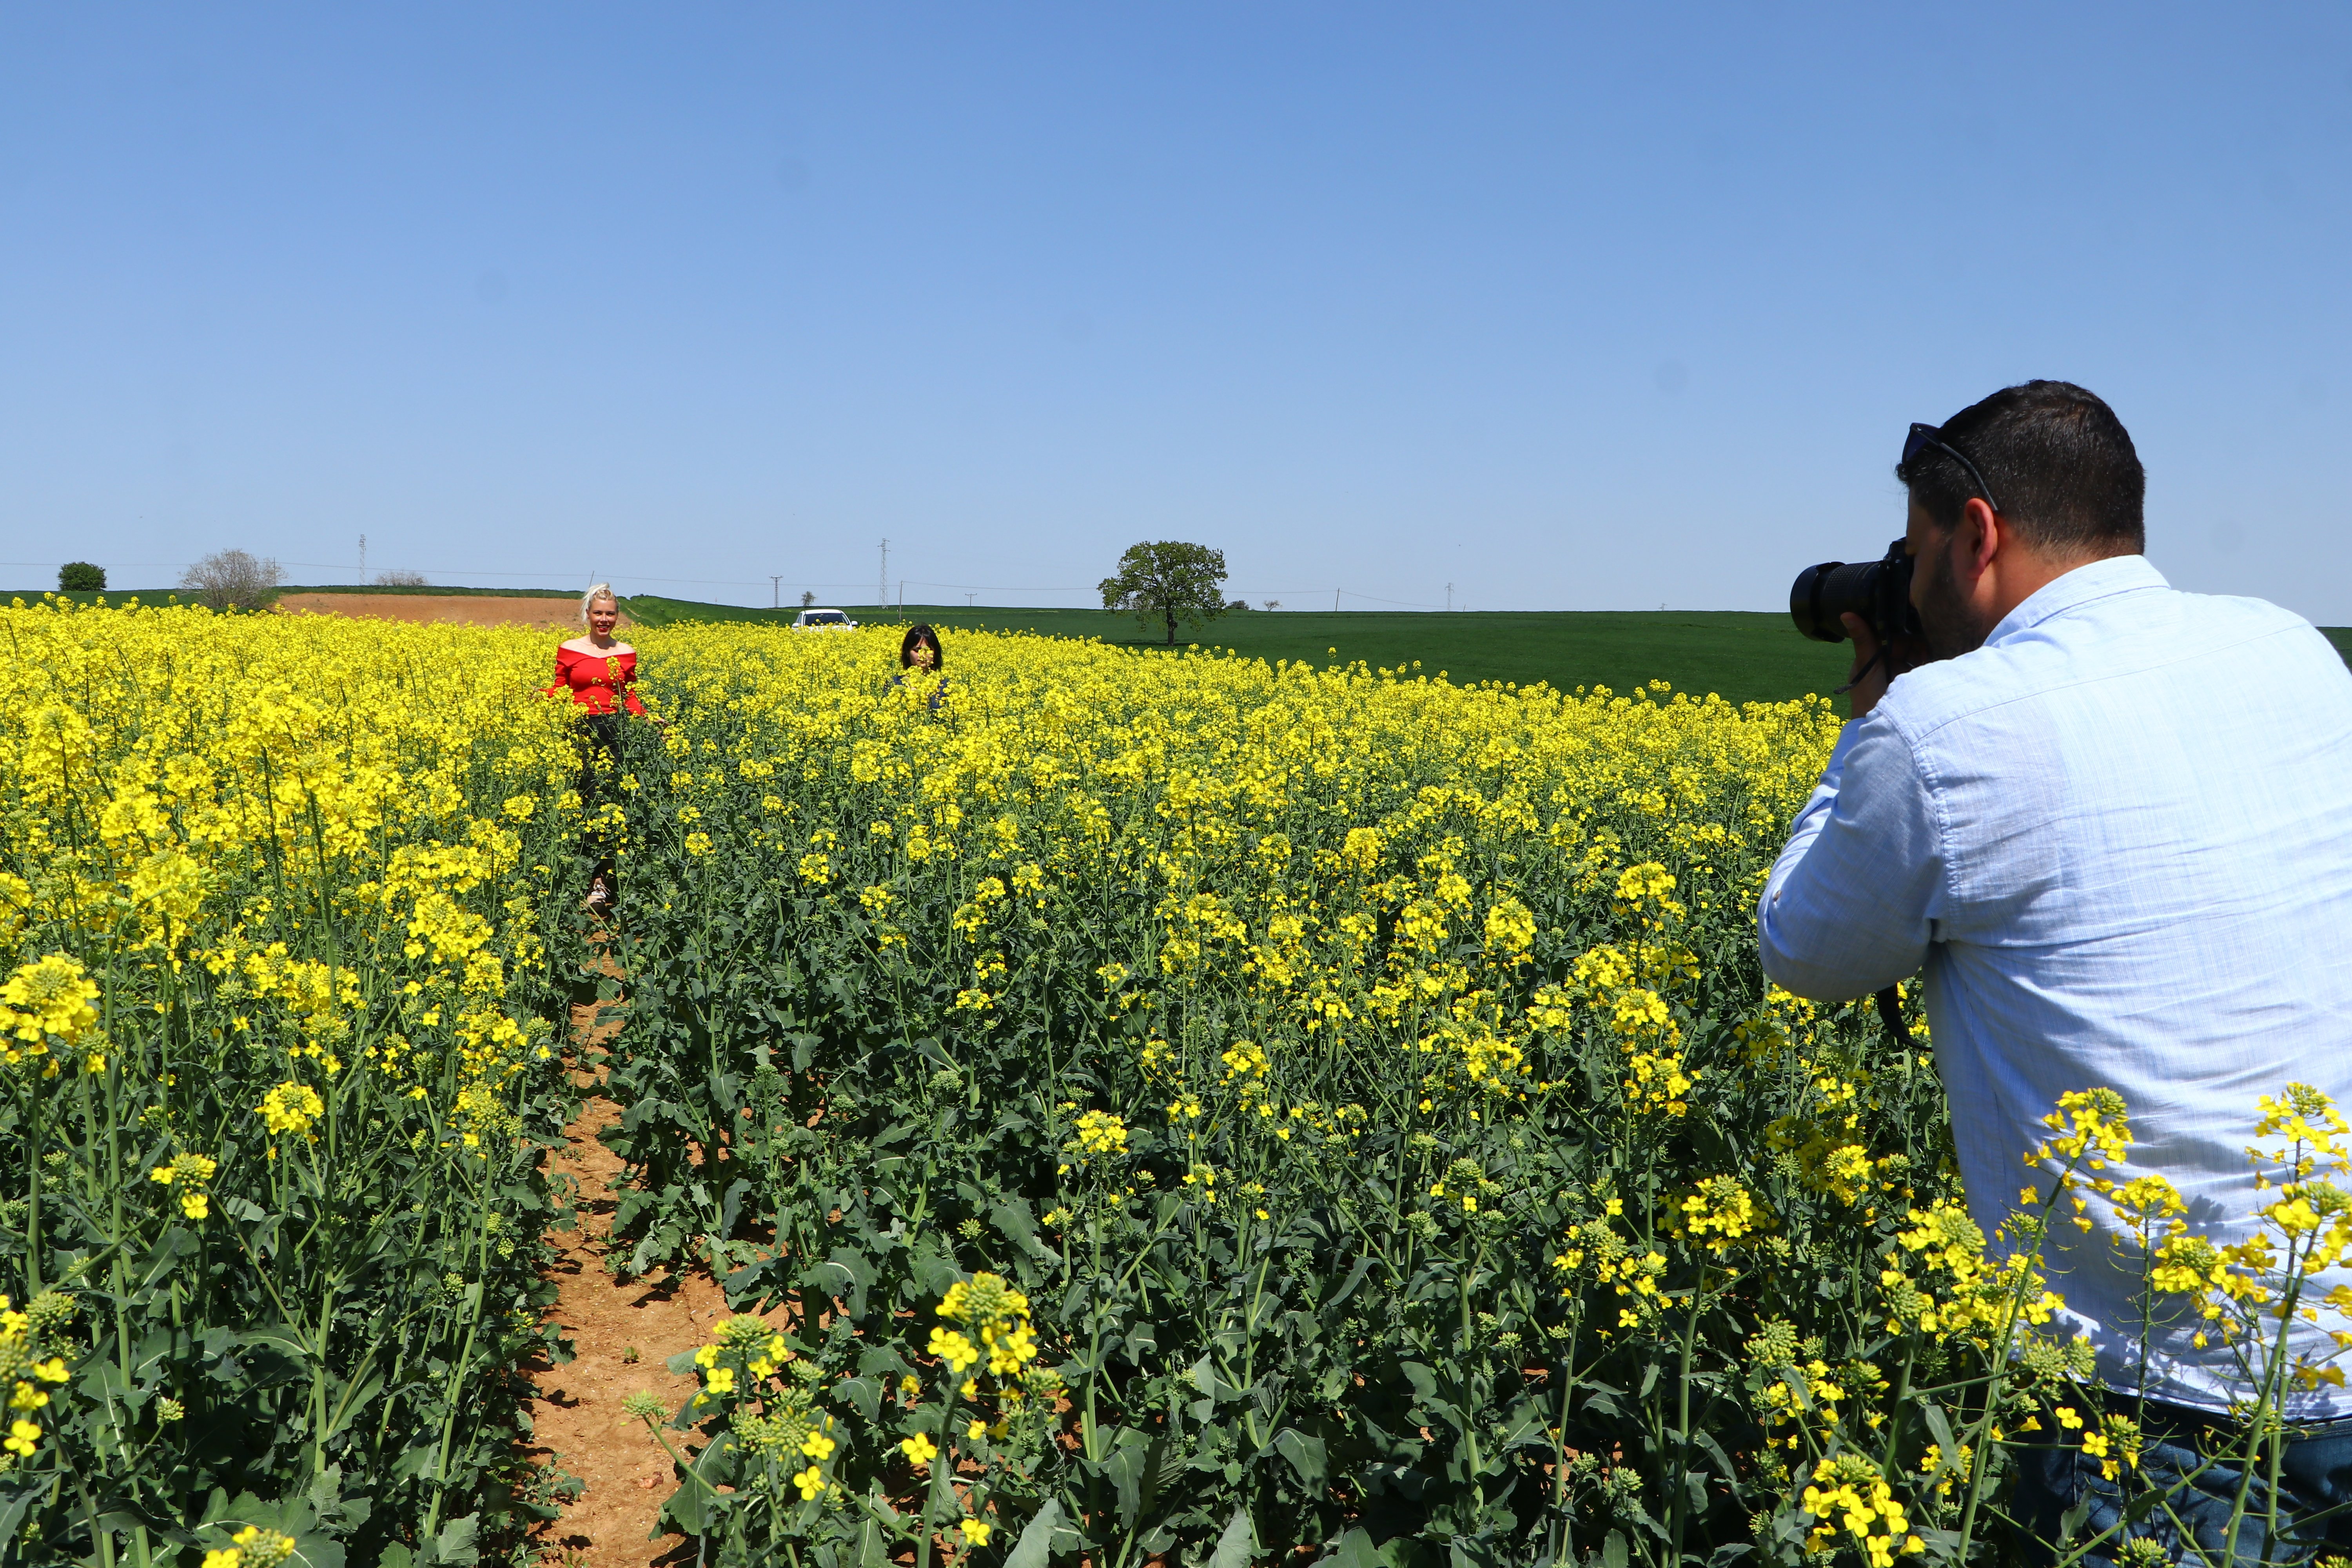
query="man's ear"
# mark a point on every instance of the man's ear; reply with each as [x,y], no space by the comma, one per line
[1982,536]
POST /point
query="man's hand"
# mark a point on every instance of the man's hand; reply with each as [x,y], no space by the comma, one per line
[1867,681]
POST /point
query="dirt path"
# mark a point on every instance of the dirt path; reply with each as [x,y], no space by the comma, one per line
[577,1417]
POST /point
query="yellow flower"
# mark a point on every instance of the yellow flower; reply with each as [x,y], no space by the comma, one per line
[976,1430]
[190,1173]
[49,996]
[22,1435]
[918,1449]
[975,1531]
[262,1548]
[291,1108]
[811,1481]
[1101,1132]
[953,1348]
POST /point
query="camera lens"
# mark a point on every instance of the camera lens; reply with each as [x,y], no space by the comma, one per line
[1823,593]
[1878,591]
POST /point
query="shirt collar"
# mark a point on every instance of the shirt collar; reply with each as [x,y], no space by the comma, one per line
[2097,579]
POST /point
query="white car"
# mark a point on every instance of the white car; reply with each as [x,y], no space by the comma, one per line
[808,620]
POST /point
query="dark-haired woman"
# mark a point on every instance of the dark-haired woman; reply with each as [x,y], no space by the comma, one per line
[918,655]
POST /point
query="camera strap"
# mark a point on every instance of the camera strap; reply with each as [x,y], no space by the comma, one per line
[1886,653]
[1890,1013]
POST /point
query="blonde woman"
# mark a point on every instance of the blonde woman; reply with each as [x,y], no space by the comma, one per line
[599,671]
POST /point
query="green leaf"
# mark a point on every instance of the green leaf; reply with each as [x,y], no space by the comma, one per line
[1234,1546]
[1126,1465]
[1305,1453]
[18,1493]
[1347,1286]
[1209,1381]
[864,1393]
[1011,1216]
[1941,1430]
[1036,1538]
[174,1243]
[1612,1551]
[458,1542]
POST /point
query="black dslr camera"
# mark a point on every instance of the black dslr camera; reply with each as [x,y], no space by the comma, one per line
[1878,591]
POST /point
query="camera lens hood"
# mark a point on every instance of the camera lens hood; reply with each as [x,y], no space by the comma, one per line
[1813,605]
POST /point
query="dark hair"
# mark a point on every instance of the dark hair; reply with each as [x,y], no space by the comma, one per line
[2057,459]
[921,632]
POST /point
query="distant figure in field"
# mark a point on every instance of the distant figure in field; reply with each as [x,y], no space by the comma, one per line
[918,656]
[598,671]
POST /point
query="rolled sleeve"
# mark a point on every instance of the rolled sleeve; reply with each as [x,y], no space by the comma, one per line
[1851,905]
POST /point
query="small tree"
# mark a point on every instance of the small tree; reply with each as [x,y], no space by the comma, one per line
[1168,583]
[808,598]
[231,579]
[397,579]
[80,577]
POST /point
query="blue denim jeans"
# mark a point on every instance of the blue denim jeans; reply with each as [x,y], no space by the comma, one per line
[2315,1502]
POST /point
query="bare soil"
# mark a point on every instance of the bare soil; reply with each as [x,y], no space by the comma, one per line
[578,1422]
[552,614]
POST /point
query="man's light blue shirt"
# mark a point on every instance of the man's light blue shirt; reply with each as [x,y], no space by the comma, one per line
[2119,837]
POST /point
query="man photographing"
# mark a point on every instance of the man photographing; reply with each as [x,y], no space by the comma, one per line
[2114,823]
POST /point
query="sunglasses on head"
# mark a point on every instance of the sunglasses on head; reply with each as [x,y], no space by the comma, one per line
[1930,436]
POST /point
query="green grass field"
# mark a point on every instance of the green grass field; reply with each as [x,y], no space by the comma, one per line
[1744,657]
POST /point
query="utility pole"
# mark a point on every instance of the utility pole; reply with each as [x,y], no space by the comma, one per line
[1449,595]
[775,590]
[882,581]
[902,598]
[363,560]
[1334,600]
[968,598]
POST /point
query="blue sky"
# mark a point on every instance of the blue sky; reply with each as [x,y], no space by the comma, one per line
[1568,308]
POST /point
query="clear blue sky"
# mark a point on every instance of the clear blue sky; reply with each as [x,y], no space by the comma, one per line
[1569,308]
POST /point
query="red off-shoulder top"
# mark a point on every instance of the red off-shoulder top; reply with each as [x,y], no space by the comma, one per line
[598,682]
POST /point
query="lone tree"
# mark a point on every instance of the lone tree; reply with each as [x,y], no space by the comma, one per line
[80,577]
[1169,583]
[230,579]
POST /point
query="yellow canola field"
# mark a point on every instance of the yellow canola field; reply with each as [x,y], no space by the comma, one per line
[274,920]
[1159,1105]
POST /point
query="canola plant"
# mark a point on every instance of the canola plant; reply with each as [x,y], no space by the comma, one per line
[278,1019]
